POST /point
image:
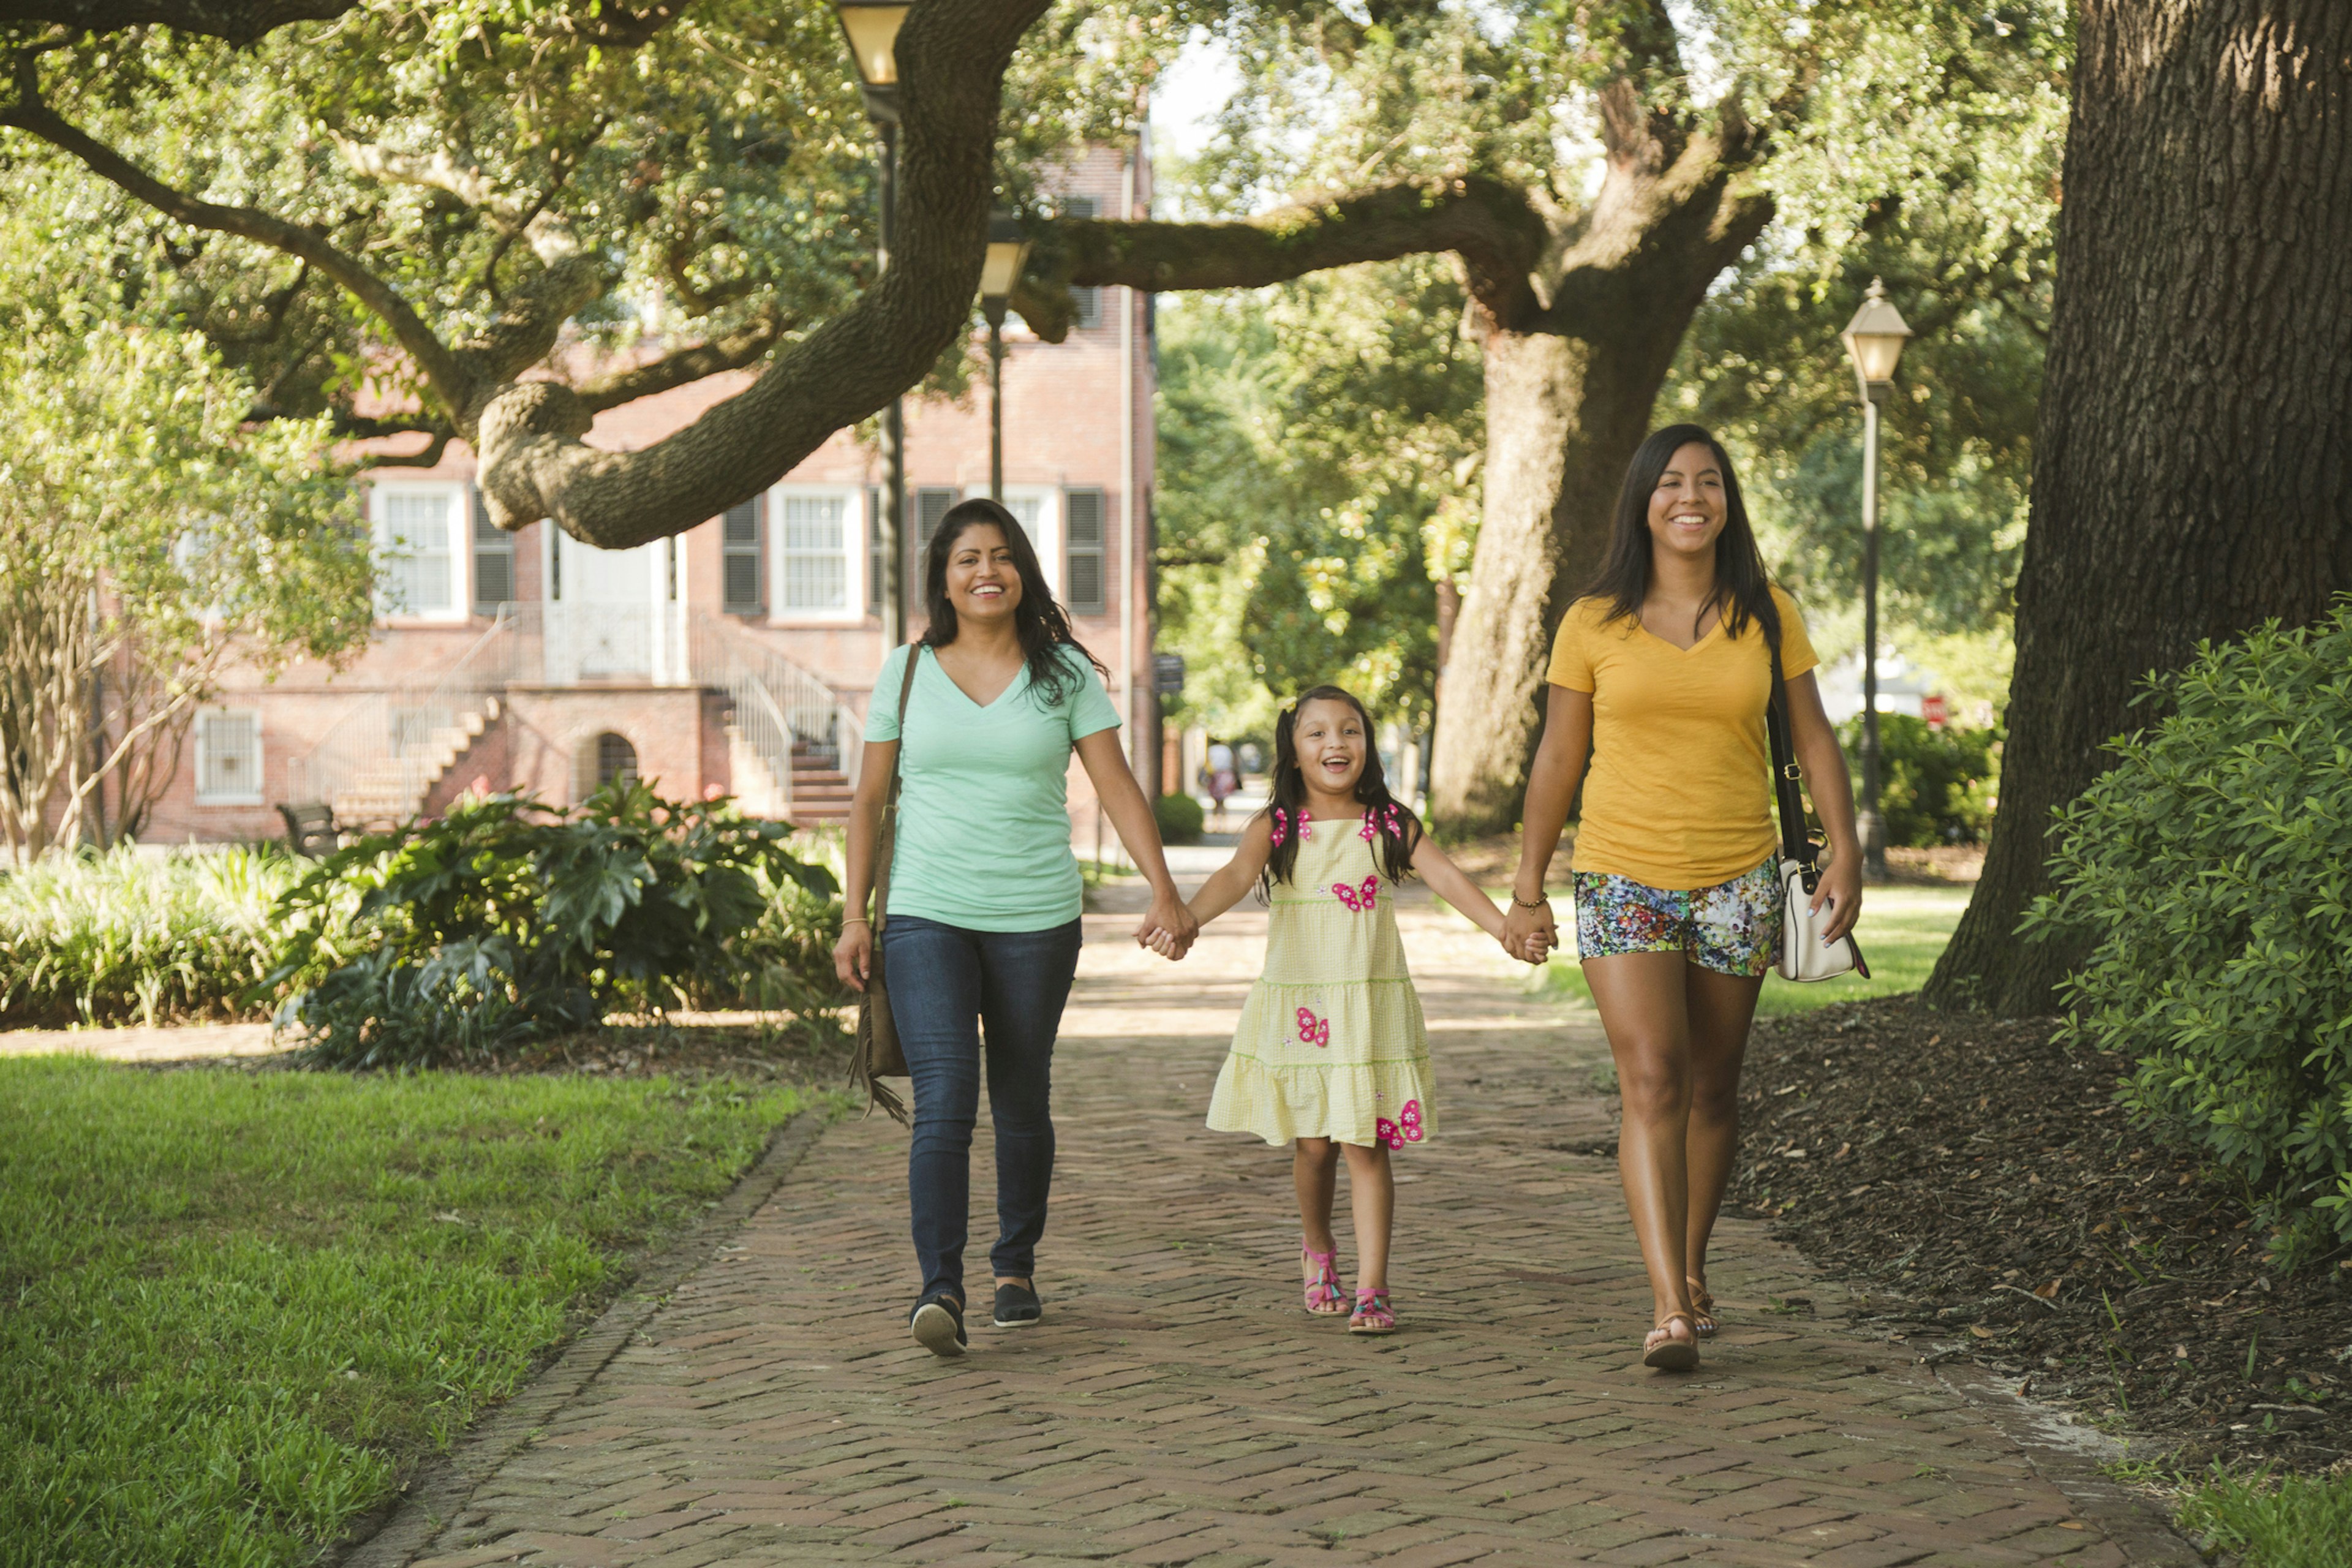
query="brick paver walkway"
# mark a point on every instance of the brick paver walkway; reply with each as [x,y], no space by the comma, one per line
[1177,1408]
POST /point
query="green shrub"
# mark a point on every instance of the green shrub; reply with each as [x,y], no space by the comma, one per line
[1179,818]
[2208,874]
[504,922]
[1936,786]
[136,937]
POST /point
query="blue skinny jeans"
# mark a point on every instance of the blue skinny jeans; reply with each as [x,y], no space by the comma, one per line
[950,989]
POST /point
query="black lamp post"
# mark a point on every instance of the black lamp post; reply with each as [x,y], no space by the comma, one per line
[872,28]
[1874,339]
[1008,252]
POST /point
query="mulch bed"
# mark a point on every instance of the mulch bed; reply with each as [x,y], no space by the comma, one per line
[1979,1183]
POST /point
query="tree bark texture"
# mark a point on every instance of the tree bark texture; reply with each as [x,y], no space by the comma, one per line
[2191,477]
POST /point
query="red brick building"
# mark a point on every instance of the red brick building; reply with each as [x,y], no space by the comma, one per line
[737,657]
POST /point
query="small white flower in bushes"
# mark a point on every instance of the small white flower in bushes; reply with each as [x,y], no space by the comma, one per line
[2210,875]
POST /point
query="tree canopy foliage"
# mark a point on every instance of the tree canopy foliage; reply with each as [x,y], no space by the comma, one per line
[1262,390]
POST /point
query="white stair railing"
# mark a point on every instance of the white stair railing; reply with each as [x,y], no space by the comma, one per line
[378,760]
[780,708]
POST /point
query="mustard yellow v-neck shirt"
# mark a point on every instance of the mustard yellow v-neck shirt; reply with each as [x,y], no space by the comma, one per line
[1679,792]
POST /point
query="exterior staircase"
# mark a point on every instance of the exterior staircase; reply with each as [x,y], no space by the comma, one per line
[387,790]
[820,791]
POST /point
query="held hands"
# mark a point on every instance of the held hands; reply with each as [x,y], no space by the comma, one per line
[1169,929]
[1528,935]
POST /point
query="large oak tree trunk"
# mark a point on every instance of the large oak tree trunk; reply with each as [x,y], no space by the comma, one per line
[1563,417]
[1570,387]
[2190,476]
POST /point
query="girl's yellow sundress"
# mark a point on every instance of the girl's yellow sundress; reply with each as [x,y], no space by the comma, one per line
[1330,1043]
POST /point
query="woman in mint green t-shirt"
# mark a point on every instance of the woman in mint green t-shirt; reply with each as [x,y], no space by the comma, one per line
[982,929]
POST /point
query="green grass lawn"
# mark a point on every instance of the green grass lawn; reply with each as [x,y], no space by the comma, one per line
[2294,1522]
[1902,931]
[235,1306]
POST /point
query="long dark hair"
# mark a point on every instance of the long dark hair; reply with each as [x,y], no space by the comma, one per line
[1396,830]
[1743,589]
[1039,620]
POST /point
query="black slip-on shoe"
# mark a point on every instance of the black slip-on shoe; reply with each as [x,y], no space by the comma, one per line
[938,1323]
[1017,1307]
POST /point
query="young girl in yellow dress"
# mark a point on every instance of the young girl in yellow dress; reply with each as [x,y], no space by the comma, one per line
[1330,1054]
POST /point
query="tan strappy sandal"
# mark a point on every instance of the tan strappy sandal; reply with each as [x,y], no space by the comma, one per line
[1703,1310]
[1667,1354]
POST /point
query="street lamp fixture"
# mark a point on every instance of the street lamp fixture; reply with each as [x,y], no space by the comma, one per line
[871,27]
[1008,252]
[1874,341]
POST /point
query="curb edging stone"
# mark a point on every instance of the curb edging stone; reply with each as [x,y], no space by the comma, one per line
[2134,1524]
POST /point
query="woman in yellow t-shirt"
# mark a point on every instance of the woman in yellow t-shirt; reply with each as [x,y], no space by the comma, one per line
[1659,677]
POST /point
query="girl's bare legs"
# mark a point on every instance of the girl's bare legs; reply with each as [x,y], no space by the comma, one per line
[1719,1008]
[1641,996]
[1372,1198]
[1315,1170]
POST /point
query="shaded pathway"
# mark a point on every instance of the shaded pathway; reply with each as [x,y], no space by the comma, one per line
[1177,1406]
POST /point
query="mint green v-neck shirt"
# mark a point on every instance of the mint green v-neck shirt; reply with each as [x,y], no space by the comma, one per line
[983,795]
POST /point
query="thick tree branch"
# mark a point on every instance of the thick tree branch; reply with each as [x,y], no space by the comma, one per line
[32,117]
[952,56]
[1499,235]
[730,350]
[238,21]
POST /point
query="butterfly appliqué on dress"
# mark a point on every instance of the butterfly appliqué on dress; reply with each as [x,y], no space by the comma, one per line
[1358,899]
[1404,1130]
[1312,1030]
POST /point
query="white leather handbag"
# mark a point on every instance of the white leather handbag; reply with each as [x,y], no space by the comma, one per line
[1804,955]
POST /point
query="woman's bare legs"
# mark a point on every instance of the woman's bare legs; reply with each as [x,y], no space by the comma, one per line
[1719,1008]
[1642,1005]
[1372,1199]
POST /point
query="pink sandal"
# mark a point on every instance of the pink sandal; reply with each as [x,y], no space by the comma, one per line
[1323,1297]
[1372,1314]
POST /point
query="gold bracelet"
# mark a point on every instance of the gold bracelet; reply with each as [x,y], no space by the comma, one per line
[855,920]
[1522,903]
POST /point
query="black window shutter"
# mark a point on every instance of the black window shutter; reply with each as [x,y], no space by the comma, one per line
[874,550]
[494,559]
[1086,303]
[743,560]
[1083,574]
[931,508]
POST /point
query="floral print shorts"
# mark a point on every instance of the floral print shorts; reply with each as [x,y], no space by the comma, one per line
[1732,928]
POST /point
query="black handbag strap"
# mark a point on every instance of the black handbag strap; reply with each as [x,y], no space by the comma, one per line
[1796,843]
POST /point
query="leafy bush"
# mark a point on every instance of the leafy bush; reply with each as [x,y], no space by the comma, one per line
[1936,786]
[2210,876]
[137,937]
[1179,818]
[505,921]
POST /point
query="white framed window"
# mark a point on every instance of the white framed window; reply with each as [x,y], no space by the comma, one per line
[1038,509]
[421,572]
[817,533]
[228,757]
